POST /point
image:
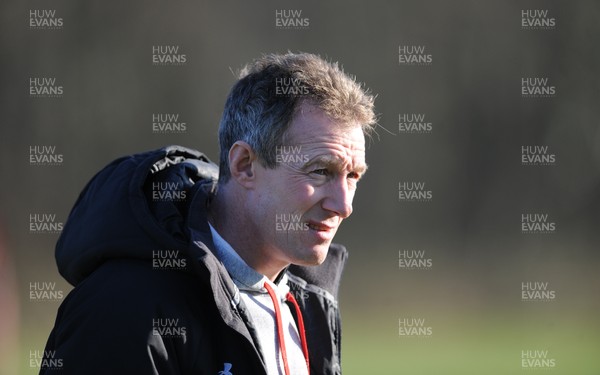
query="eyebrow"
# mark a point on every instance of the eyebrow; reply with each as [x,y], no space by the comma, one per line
[329,160]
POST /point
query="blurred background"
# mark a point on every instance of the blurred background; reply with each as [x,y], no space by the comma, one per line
[467,94]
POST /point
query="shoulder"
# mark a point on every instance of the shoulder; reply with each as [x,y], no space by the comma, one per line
[138,318]
[130,294]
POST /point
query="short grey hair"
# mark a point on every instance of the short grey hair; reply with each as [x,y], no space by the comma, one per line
[262,103]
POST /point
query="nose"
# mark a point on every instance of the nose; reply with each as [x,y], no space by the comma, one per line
[338,198]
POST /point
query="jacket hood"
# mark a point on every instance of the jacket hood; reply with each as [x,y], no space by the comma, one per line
[134,205]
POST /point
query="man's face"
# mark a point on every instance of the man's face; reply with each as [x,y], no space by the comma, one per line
[302,201]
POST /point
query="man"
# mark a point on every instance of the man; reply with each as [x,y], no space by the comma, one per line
[175,273]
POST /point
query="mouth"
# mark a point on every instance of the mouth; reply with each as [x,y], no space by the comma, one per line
[320,227]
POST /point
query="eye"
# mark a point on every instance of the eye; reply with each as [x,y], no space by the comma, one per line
[354,176]
[321,172]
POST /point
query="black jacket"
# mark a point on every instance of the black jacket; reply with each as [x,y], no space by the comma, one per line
[131,314]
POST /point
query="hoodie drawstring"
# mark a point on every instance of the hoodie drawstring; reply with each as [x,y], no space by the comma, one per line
[290,298]
[301,330]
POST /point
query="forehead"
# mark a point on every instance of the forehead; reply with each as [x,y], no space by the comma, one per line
[313,128]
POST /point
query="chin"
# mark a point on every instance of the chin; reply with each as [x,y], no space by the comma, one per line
[314,257]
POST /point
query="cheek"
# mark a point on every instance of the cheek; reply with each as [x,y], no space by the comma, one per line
[286,191]
[295,188]
[301,195]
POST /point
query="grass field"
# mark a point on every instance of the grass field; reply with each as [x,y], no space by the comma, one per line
[463,345]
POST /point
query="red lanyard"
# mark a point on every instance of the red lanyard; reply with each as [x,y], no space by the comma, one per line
[290,298]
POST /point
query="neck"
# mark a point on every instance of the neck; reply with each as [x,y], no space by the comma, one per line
[228,216]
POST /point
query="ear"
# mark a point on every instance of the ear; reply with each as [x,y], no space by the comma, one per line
[241,164]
